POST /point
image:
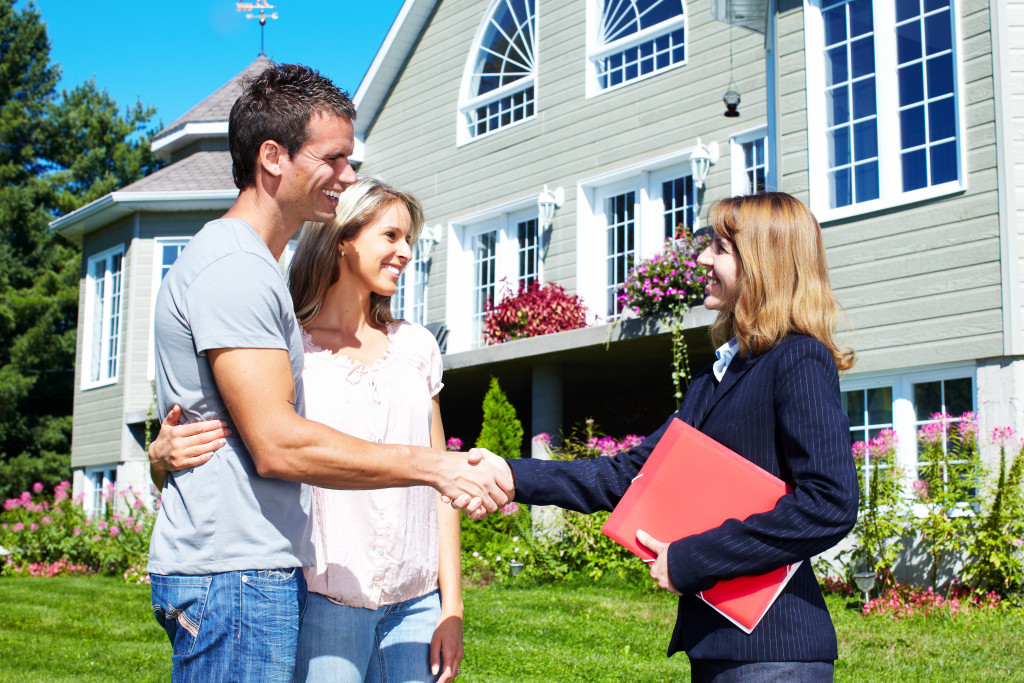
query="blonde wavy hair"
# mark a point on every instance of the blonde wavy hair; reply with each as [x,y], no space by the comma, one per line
[314,266]
[782,275]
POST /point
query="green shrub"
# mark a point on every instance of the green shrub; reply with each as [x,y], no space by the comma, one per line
[501,432]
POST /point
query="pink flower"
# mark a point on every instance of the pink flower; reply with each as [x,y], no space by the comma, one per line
[509,509]
[115,531]
[137,504]
[968,426]
[137,528]
[454,443]
[37,487]
[76,532]
[544,438]
[46,520]
[1002,436]
[18,526]
[33,526]
[884,445]
[26,496]
[11,503]
[859,449]
[921,489]
[103,526]
[932,433]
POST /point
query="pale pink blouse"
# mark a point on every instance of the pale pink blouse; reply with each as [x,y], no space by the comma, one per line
[377,547]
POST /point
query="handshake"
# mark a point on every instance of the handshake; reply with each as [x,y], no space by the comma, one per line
[478,485]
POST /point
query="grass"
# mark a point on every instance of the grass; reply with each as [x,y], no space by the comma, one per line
[98,629]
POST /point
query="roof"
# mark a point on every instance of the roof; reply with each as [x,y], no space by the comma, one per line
[199,182]
[209,118]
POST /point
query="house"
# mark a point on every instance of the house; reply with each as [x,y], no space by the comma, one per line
[129,240]
[554,140]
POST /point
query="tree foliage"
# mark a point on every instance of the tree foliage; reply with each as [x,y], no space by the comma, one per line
[58,151]
[501,433]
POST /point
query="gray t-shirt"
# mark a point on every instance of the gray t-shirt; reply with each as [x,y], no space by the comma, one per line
[224,291]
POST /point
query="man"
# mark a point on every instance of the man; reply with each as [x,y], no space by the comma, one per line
[232,534]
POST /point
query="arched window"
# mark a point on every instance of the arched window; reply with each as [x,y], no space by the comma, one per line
[632,39]
[498,86]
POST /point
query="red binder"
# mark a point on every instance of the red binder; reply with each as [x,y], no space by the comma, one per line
[689,484]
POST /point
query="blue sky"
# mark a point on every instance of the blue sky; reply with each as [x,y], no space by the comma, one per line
[172,55]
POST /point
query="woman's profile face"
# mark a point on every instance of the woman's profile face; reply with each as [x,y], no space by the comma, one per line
[375,258]
[723,274]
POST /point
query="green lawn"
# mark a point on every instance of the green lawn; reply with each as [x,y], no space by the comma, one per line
[98,629]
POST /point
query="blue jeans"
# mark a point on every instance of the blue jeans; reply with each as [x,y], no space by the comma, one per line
[237,626]
[352,645]
[725,671]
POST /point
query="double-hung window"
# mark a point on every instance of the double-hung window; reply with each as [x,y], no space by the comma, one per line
[628,40]
[626,216]
[499,84]
[908,404]
[100,490]
[493,255]
[165,252]
[102,317]
[749,162]
[883,109]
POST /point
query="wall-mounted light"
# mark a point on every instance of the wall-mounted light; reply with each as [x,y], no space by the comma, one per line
[430,237]
[548,202]
[702,158]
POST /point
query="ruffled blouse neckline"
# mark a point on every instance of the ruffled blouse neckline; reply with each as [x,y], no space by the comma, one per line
[339,357]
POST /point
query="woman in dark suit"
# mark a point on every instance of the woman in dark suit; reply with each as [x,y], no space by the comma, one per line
[773,397]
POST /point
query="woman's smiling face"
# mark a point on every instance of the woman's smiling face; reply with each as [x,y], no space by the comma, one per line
[722,265]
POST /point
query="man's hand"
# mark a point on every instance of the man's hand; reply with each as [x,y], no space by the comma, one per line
[659,568]
[179,447]
[478,485]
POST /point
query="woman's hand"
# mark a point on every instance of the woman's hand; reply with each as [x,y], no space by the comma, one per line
[178,447]
[446,645]
[659,568]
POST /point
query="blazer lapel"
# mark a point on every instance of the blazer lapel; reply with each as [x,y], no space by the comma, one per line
[738,367]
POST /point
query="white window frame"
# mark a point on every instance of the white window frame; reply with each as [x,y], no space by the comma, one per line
[460,288]
[158,244]
[739,180]
[904,416]
[645,179]
[890,182]
[106,310]
[597,49]
[105,475]
[469,101]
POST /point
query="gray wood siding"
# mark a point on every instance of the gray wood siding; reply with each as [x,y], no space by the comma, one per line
[97,429]
[413,141]
[920,283]
[1014,13]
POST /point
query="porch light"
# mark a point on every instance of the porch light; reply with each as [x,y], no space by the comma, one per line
[732,102]
[865,582]
[702,158]
[430,236]
[548,202]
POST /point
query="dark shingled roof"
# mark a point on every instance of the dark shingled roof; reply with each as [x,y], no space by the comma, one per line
[197,171]
[217,106]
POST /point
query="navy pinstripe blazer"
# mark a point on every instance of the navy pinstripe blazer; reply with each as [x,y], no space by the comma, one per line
[780,410]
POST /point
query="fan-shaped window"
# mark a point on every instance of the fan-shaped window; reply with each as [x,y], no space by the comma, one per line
[633,39]
[498,87]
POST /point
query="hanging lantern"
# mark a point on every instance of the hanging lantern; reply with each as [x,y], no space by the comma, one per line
[732,103]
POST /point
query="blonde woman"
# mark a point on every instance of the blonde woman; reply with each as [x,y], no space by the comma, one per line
[385,595]
[773,397]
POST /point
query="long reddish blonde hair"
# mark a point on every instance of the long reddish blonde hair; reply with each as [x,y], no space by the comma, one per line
[782,275]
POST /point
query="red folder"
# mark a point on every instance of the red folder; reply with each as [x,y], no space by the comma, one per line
[689,484]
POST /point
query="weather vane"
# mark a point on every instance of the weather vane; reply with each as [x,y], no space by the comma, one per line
[262,6]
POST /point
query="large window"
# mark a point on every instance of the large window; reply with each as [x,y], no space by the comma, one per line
[499,84]
[491,256]
[102,317]
[883,107]
[907,404]
[100,490]
[627,216]
[632,39]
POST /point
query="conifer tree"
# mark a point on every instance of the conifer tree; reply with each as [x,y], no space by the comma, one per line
[501,433]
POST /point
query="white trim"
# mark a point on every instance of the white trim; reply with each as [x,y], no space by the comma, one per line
[887,122]
[1009,232]
[158,244]
[90,311]
[205,129]
[737,160]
